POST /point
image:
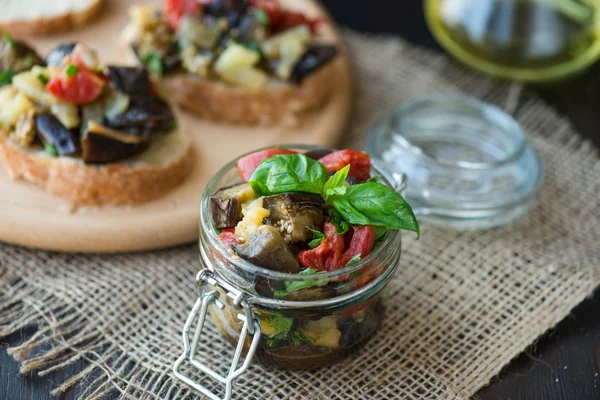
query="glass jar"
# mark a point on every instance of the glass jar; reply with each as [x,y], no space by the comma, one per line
[468,163]
[528,40]
[344,309]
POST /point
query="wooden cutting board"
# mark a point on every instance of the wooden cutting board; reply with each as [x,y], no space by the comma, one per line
[31,217]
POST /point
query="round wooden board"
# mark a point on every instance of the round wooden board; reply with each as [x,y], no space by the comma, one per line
[31,217]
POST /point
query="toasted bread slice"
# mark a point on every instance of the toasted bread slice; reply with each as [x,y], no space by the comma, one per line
[278,103]
[37,17]
[141,178]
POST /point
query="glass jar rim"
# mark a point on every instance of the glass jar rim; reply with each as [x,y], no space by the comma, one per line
[490,113]
[214,241]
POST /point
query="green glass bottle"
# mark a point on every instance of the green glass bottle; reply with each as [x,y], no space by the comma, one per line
[527,40]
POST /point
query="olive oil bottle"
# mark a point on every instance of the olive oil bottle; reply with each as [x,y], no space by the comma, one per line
[528,40]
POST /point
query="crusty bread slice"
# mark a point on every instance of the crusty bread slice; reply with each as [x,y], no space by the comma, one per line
[278,103]
[141,178]
[37,17]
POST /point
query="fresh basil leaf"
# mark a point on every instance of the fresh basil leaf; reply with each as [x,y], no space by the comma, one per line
[353,260]
[380,231]
[288,173]
[281,324]
[341,226]
[317,238]
[335,185]
[298,338]
[6,77]
[376,204]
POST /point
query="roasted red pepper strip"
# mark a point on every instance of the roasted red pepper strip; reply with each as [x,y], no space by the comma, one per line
[328,255]
[83,86]
[363,239]
[360,163]
[228,237]
[247,165]
[176,9]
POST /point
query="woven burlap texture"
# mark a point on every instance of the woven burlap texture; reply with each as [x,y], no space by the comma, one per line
[462,304]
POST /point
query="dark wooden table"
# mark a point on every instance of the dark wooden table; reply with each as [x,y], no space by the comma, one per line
[563,365]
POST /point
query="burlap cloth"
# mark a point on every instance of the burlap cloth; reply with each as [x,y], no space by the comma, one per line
[462,304]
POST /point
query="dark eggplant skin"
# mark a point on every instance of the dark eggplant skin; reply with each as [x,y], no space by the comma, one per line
[294,213]
[146,113]
[315,57]
[233,10]
[18,56]
[266,248]
[316,154]
[56,56]
[51,131]
[98,148]
[226,206]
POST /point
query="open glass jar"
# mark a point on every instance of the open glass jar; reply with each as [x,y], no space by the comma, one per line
[337,312]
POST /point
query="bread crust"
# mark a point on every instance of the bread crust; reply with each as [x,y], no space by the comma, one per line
[55,24]
[278,103]
[81,184]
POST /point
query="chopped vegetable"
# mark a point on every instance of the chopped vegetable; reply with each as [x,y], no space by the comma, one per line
[248,164]
[281,324]
[328,255]
[50,150]
[361,244]
[226,204]
[154,64]
[317,238]
[229,238]
[79,85]
[44,78]
[266,248]
[360,163]
[294,214]
[176,9]
[52,132]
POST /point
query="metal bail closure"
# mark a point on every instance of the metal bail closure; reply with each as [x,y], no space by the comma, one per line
[251,325]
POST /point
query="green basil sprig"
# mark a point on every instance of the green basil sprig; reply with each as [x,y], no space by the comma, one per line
[370,203]
[288,173]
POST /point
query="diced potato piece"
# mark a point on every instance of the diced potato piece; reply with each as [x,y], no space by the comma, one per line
[249,78]
[30,84]
[142,14]
[236,56]
[67,114]
[24,133]
[249,205]
[253,219]
[266,328]
[323,332]
[13,104]
[273,47]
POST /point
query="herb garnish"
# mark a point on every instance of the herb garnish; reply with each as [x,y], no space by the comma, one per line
[294,286]
[154,64]
[8,39]
[50,149]
[317,238]
[262,17]
[44,78]
[72,70]
[353,260]
[281,324]
[6,77]
[299,338]
[369,203]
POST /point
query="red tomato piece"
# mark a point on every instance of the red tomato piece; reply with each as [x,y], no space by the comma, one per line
[247,165]
[357,308]
[282,20]
[81,88]
[328,255]
[360,163]
[362,242]
[228,237]
[176,9]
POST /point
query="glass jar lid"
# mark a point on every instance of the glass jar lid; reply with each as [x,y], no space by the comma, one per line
[468,163]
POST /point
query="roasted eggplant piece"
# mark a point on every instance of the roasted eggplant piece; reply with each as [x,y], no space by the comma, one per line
[133,81]
[314,58]
[51,131]
[266,248]
[226,204]
[143,117]
[317,154]
[104,145]
[57,54]
[17,56]
[293,213]
[313,293]
[233,10]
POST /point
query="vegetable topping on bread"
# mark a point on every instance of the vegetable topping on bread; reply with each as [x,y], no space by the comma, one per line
[71,109]
[254,45]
